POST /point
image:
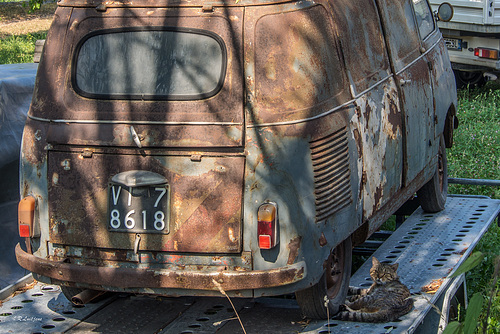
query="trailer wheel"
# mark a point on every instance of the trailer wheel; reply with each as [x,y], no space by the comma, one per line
[432,196]
[467,78]
[323,299]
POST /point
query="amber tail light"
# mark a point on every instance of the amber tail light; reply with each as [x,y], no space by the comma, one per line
[486,53]
[267,226]
[26,214]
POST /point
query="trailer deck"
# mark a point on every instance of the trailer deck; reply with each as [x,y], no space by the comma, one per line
[428,248]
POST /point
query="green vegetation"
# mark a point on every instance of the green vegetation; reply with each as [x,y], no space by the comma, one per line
[476,150]
[20,27]
[476,155]
[32,4]
[19,49]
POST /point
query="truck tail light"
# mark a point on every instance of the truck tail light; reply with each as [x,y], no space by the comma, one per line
[486,53]
[26,214]
[267,226]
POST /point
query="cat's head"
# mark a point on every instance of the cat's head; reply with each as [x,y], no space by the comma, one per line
[382,273]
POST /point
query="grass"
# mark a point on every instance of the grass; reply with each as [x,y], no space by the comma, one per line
[19,49]
[476,154]
[476,150]
[19,30]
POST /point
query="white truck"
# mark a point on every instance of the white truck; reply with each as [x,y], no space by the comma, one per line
[473,40]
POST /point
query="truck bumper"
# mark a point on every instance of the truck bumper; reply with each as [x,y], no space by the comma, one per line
[153,278]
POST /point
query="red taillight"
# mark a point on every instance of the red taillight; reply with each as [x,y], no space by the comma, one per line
[26,213]
[486,53]
[267,225]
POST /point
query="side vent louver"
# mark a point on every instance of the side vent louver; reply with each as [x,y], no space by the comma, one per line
[330,157]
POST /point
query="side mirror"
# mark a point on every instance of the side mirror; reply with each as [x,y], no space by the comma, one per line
[445,12]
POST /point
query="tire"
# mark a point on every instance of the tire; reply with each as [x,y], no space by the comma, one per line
[333,284]
[467,78]
[432,196]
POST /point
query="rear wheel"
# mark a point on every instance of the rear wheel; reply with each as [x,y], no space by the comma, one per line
[323,299]
[432,196]
[467,78]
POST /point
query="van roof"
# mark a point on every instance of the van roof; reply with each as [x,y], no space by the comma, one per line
[164,3]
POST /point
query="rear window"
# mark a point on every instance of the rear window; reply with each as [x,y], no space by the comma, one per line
[149,64]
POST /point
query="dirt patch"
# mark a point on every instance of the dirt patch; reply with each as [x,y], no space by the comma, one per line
[25,27]
[15,19]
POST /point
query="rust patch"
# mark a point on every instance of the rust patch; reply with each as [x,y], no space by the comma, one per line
[461,252]
[378,197]
[359,142]
[393,116]
[293,246]
[322,240]
[367,113]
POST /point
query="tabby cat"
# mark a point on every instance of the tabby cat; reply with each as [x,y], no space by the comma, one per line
[386,300]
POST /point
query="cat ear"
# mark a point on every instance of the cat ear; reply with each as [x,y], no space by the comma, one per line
[395,266]
[375,262]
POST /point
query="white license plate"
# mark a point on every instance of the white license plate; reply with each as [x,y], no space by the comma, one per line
[139,210]
[453,44]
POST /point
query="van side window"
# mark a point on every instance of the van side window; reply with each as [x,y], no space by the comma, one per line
[363,49]
[400,30]
[423,14]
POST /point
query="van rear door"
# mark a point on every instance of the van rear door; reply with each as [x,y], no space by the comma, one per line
[155,90]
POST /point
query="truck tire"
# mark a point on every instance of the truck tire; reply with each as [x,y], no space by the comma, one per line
[466,78]
[432,196]
[332,286]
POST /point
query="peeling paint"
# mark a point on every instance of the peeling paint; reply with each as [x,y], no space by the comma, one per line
[293,247]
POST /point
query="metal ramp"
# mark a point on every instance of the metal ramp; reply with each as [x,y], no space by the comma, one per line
[427,247]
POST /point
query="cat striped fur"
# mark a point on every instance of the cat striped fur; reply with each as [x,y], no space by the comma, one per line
[386,300]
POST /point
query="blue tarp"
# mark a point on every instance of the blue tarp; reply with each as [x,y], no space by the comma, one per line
[16,89]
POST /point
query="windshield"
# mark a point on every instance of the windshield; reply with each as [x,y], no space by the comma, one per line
[150,64]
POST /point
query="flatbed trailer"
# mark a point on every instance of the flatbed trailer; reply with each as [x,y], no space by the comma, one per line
[428,248]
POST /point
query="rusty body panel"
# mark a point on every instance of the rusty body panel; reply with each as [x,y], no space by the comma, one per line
[331,119]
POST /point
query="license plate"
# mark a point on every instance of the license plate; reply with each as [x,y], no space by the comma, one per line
[453,44]
[139,210]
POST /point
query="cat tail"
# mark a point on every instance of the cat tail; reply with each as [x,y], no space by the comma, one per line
[359,316]
[384,315]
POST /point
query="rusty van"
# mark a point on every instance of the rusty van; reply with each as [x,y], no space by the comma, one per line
[181,147]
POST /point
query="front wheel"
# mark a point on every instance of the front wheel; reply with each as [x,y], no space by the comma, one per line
[432,196]
[323,299]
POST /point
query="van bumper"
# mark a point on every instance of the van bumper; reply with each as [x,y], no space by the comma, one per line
[228,280]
